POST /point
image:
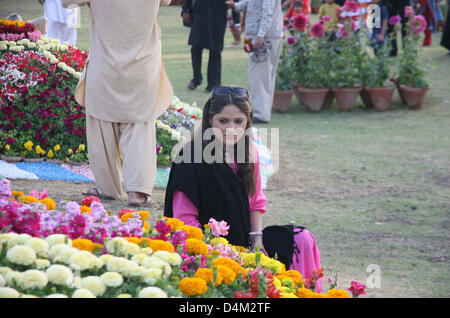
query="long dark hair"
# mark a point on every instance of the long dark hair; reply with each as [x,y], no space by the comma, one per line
[213,106]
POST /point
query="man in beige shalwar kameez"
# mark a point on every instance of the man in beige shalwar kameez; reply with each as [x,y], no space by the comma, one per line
[124,88]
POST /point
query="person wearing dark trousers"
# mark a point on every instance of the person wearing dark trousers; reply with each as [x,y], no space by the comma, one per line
[396,7]
[445,41]
[208,20]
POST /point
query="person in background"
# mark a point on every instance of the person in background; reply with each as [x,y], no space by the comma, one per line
[306,10]
[445,41]
[379,33]
[124,88]
[209,22]
[61,22]
[40,23]
[396,7]
[264,29]
[288,17]
[235,26]
[329,9]
[430,10]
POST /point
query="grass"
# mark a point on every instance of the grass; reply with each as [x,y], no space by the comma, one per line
[373,187]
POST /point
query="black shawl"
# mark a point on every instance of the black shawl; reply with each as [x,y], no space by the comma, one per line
[216,192]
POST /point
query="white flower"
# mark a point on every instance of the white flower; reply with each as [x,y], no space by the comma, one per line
[81,260]
[112,279]
[2,281]
[32,279]
[83,293]
[12,278]
[97,262]
[120,265]
[120,246]
[173,259]
[59,275]
[139,258]
[5,270]
[151,275]
[155,262]
[55,239]
[124,296]
[152,292]
[7,292]
[57,296]
[62,65]
[42,263]
[28,296]
[77,75]
[21,255]
[95,284]
[105,257]
[31,45]
[40,246]
[146,250]
[3,47]
[61,253]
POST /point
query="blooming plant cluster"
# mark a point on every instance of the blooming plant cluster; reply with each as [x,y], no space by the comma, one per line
[82,251]
[17,30]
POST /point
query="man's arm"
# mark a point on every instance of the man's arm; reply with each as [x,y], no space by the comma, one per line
[237,6]
[267,17]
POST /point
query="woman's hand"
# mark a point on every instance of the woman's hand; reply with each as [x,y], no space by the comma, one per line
[187,17]
[256,240]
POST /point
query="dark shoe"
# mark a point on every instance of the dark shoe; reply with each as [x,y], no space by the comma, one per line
[96,192]
[192,85]
[209,89]
[256,120]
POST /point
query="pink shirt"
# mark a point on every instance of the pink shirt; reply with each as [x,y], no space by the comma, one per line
[185,210]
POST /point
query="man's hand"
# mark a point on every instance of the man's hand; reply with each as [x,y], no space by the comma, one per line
[187,18]
[41,1]
[230,4]
[259,43]
[380,37]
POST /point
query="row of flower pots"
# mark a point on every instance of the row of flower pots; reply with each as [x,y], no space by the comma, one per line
[379,98]
[41,159]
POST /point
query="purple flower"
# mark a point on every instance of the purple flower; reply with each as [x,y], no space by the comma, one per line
[394,20]
[291,40]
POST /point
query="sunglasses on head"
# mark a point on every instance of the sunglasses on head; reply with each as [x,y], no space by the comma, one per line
[228,90]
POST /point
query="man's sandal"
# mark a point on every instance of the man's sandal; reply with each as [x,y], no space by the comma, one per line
[148,202]
[95,192]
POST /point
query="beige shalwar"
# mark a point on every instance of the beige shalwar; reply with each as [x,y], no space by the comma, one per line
[124,88]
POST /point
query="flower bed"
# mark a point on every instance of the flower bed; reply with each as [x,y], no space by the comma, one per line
[75,250]
[39,116]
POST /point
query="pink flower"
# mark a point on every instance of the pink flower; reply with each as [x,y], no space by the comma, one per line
[408,11]
[326,18]
[218,228]
[418,24]
[291,40]
[342,32]
[394,20]
[300,22]
[317,30]
[351,6]
[357,289]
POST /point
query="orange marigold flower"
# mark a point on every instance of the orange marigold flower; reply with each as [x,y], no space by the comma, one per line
[197,247]
[192,286]
[146,226]
[49,203]
[233,265]
[85,209]
[207,275]
[135,240]
[337,293]
[159,245]
[239,248]
[86,245]
[227,273]
[124,218]
[27,199]
[173,223]
[17,194]
[192,232]
[144,215]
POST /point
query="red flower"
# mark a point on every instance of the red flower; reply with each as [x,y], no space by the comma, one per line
[87,200]
[317,30]
[357,289]
[300,22]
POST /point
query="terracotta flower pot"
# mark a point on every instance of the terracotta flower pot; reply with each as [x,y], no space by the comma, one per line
[346,97]
[381,97]
[282,100]
[365,97]
[10,159]
[313,98]
[297,93]
[413,97]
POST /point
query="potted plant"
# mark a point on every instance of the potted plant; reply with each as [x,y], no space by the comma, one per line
[9,147]
[412,83]
[345,76]
[283,87]
[311,62]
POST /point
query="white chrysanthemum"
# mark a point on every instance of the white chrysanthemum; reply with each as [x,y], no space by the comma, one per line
[173,259]
[57,296]
[22,238]
[21,255]
[59,275]
[12,278]
[28,296]
[95,284]
[112,279]
[40,246]
[139,258]
[155,262]
[9,238]
[120,265]
[146,250]
[2,281]
[55,239]
[82,260]
[83,293]
[76,283]
[124,296]
[136,270]
[42,263]
[152,292]
[5,270]
[61,253]
[151,275]
[32,279]
[8,292]
[97,262]
[120,246]
[105,257]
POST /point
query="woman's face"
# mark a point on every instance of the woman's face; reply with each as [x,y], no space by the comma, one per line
[231,122]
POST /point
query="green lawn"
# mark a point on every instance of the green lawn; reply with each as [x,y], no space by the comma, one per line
[373,187]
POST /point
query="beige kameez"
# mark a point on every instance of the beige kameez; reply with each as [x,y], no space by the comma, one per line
[124,88]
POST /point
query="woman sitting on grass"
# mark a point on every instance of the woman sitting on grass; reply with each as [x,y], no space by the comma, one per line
[217,175]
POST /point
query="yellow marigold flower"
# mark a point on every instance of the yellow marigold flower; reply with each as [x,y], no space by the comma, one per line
[337,293]
[307,293]
[28,145]
[144,215]
[70,151]
[17,194]
[28,199]
[192,286]
[39,150]
[233,265]
[7,147]
[207,275]
[266,262]
[160,245]
[49,203]
[57,147]
[146,226]
[219,240]
[239,248]
[50,153]
[86,245]
[173,223]
[197,247]
[124,218]
[85,209]
[227,273]
[135,240]
[192,232]
[81,147]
